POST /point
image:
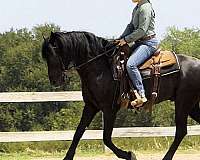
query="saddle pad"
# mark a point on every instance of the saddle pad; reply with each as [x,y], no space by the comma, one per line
[164,58]
[169,64]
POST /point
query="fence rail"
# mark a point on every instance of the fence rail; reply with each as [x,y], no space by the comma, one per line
[11,97]
[93,134]
[40,96]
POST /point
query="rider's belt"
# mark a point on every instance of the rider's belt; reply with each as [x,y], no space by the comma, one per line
[147,38]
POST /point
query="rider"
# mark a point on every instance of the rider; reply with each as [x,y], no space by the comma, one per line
[141,31]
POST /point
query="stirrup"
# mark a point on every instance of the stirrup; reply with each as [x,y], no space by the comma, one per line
[139,101]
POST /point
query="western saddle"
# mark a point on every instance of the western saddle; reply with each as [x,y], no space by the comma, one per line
[154,64]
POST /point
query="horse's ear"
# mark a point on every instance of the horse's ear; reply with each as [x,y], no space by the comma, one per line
[52,37]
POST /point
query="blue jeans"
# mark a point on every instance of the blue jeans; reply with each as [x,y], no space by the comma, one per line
[142,51]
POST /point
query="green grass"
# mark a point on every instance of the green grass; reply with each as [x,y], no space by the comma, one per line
[14,157]
[59,156]
[28,150]
[39,155]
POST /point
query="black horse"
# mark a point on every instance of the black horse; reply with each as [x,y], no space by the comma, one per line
[85,51]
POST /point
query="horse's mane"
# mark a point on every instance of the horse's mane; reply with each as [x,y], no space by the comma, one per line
[76,42]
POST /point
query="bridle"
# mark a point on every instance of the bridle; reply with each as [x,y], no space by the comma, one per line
[63,70]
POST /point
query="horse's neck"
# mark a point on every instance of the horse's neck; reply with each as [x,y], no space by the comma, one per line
[84,56]
[95,71]
[86,48]
[81,58]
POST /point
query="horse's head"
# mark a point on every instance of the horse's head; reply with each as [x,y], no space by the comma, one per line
[60,49]
[52,52]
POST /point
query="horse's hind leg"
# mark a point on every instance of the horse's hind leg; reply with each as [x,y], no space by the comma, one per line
[109,120]
[183,105]
[195,113]
[87,116]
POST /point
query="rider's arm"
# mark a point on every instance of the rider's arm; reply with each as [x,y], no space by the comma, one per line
[145,15]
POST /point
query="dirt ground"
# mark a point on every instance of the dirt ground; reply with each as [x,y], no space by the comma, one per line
[139,157]
[149,157]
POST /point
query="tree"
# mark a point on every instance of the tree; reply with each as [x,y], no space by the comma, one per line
[186,41]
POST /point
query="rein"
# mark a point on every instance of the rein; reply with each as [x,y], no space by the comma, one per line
[95,58]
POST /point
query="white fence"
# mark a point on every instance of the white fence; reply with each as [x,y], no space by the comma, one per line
[40,96]
[93,134]
[68,135]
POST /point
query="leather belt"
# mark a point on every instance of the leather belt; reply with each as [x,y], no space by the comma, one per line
[146,38]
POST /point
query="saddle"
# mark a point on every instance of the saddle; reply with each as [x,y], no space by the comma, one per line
[161,63]
[161,58]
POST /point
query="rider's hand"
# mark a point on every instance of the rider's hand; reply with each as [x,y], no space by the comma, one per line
[120,42]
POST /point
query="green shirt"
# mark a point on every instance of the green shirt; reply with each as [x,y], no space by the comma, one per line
[142,23]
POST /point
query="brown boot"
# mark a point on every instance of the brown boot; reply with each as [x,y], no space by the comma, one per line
[139,101]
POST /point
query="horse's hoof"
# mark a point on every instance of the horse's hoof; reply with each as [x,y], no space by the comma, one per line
[132,156]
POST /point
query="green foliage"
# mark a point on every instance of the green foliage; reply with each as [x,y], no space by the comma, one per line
[67,118]
[185,41]
[9,118]
[163,114]
[130,118]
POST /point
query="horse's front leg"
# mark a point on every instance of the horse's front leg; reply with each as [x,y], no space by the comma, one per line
[87,116]
[109,119]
